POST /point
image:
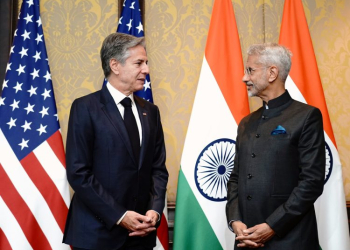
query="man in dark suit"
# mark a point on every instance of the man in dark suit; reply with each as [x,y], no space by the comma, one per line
[116,157]
[279,165]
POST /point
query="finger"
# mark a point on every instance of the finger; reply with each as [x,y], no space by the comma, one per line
[142,232]
[143,218]
[249,230]
[250,243]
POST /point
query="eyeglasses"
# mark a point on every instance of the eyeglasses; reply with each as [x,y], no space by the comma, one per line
[250,71]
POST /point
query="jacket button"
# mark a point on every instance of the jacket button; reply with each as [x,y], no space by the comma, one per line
[253,155]
[249,176]
[249,197]
[257,135]
[263,117]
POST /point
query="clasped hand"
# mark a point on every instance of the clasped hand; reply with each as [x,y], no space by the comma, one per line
[253,237]
[140,225]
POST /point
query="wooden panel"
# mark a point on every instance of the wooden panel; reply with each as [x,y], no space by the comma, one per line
[8,22]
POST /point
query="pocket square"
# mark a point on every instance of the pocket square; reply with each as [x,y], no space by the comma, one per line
[279,130]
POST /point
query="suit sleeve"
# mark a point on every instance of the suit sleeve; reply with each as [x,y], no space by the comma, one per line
[79,153]
[232,206]
[159,171]
[311,148]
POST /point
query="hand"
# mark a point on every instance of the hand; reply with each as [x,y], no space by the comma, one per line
[239,228]
[258,234]
[154,216]
[137,224]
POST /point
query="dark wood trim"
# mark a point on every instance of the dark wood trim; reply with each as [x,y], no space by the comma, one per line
[348,210]
[8,23]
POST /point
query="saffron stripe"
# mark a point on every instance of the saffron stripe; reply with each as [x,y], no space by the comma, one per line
[304,71]
[224,56]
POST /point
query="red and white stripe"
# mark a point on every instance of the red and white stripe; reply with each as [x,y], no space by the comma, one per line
[34,196]
[163,231]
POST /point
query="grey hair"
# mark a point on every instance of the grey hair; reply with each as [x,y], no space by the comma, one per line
[273,54]
[116,46]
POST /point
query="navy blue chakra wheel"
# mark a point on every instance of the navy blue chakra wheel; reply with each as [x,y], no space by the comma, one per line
[329,163]
[213,169]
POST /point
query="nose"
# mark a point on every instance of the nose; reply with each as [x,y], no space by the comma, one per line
[245,77]
[145,69]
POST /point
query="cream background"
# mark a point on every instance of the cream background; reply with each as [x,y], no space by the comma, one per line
[176,32]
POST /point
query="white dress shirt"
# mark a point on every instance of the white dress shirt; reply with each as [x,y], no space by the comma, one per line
[118,97]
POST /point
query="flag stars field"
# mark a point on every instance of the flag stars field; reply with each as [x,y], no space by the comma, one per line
[26,35]
[32,91]
[12,123]
[28,18]
[23,52]
[29,108]
[37,56]
[4,85]
[129,24]
[8,67]
[47,76]
[20,69]
[2,101]
[38,38]
[35,73]
[26,126]
[24,144]
[30,3]
[18,87]
[46,93]
[14,105]
[42,129]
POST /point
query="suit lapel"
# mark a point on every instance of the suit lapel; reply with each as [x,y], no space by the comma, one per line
[110,108]
[143,114]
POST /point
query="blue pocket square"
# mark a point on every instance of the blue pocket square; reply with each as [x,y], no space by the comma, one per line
[279,130]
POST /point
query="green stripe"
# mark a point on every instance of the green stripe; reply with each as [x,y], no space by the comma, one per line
[192,230]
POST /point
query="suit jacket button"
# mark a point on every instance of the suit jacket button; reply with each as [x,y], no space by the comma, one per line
[257,135]
[263,117]
[249,176]
[253,155]
[249,197]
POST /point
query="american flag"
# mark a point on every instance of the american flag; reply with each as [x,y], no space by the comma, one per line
[34,192]
[130,22]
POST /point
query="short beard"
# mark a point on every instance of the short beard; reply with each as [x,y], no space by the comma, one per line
[255,90]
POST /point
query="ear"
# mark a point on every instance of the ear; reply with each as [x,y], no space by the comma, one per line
[114,65]
[273,73]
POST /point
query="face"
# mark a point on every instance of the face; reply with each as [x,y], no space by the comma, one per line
[133,73]
[255,77]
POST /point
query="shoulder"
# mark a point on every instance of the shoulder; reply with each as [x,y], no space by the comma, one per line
[145,104]
[304,109]
[95,96]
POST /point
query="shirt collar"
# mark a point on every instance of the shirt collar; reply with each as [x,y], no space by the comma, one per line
[117,95]
[278,101]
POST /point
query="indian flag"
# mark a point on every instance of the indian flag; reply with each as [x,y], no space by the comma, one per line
[207,161]
[304,84]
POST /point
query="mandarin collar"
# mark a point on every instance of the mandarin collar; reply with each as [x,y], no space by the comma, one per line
[278,101]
